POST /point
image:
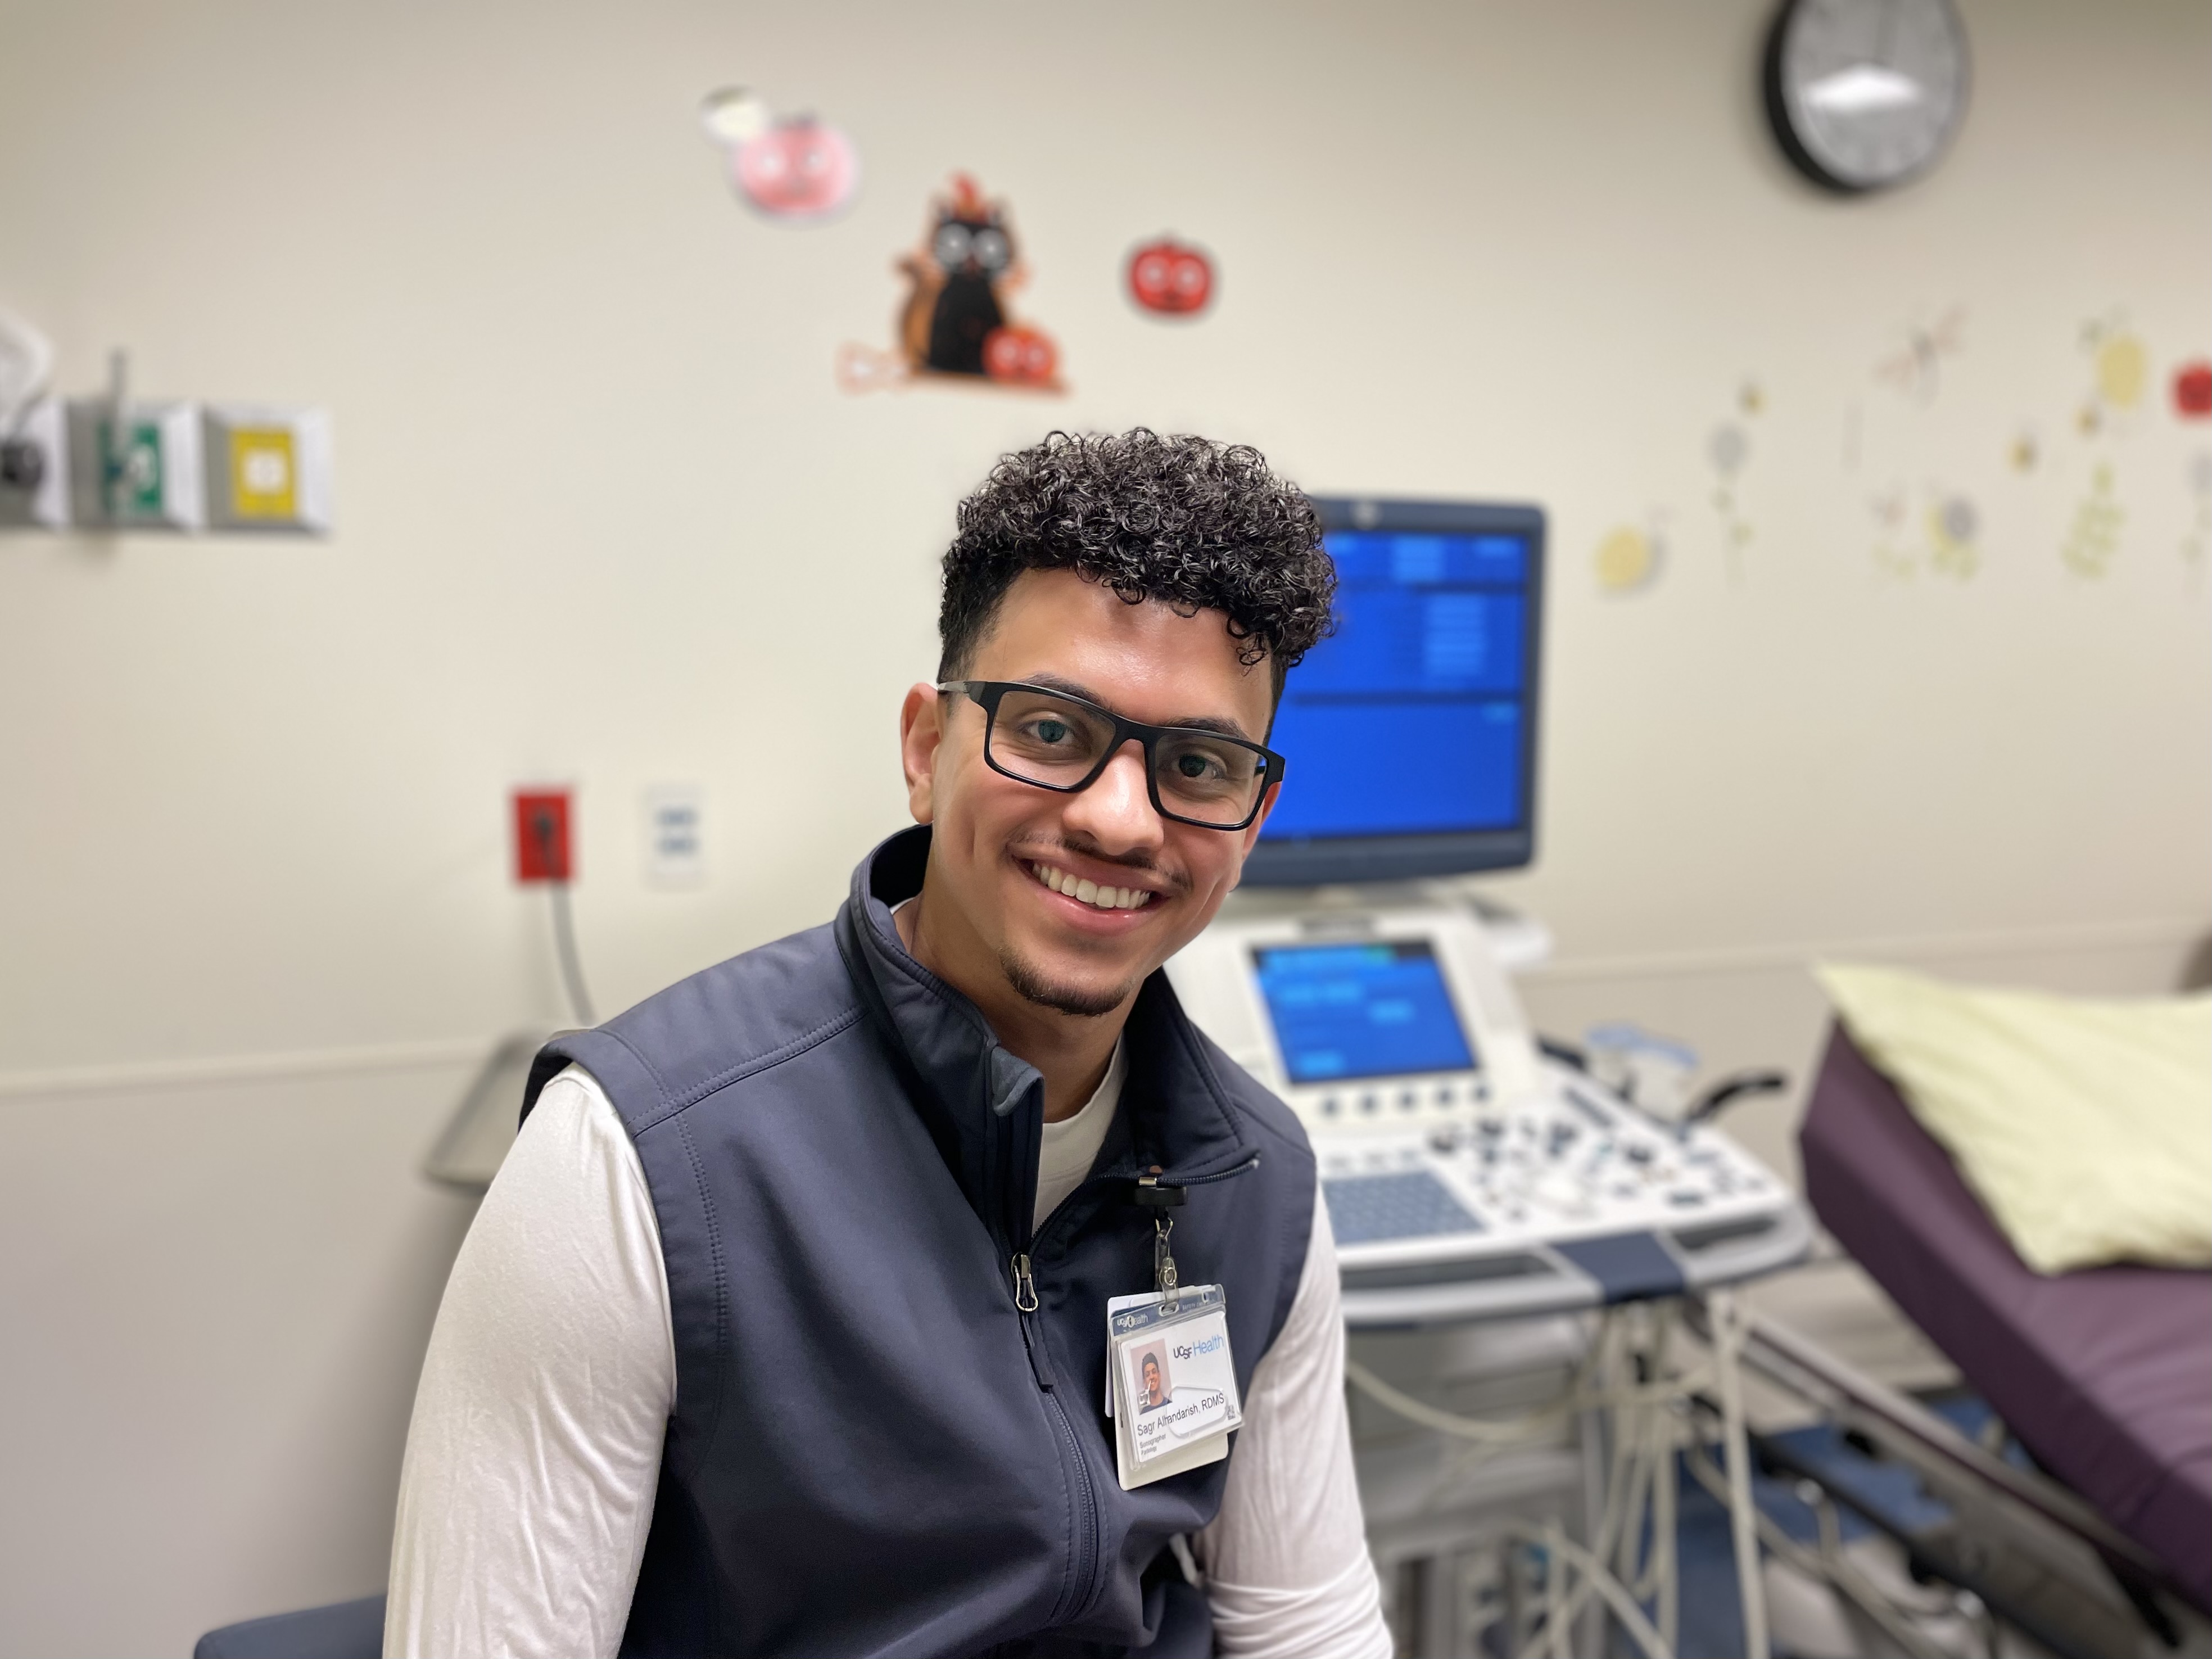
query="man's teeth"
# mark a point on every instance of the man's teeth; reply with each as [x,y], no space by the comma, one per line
[1102,898]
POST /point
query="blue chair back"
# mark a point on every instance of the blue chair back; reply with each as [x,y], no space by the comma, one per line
[346,1630]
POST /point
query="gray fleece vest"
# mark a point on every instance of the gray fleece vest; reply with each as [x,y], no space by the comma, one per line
[874,1451]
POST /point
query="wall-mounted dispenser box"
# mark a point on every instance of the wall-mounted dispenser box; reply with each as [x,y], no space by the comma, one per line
[267,469]
[35,472]
[147,476]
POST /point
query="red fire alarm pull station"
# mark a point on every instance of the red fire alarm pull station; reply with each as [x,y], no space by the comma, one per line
[541,836]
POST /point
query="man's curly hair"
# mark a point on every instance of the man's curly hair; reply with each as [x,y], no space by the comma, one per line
[1200,525]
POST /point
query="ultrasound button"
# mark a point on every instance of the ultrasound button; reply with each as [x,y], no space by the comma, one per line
[1330,1106]
[1367,1102]
[1444,1095]
[1407,1100]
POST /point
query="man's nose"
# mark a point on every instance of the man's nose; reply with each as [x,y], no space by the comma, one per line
[1116,811]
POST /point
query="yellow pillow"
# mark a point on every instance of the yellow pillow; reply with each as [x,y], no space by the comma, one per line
[2084,1127]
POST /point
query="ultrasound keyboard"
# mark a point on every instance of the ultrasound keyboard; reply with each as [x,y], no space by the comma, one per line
[1567,1200]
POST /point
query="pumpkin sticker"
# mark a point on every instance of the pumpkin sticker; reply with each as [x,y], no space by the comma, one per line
[2192,390]
[956,324]
[1170,279]
[795,169]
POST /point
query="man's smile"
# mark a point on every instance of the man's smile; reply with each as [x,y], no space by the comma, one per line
[1099,895]
[1087,891]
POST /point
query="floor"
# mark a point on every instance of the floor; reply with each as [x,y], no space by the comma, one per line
[1804,1621]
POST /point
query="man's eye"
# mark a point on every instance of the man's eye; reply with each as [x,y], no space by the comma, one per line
[1052,731]
[1195,766]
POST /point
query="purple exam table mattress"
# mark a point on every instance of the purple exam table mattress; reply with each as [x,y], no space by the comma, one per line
[2105,1374]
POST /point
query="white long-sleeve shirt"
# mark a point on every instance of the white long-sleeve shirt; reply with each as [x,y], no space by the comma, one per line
[534,1451]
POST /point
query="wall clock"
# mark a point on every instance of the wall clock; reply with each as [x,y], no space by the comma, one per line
[1865,93]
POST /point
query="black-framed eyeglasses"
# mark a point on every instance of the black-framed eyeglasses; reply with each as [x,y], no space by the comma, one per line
[1055,741]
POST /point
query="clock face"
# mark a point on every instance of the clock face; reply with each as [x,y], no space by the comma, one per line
[1865,93]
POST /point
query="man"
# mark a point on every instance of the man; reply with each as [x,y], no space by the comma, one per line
[686,1395]
[1155,1392]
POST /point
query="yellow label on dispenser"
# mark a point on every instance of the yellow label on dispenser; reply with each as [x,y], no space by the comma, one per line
[265,473]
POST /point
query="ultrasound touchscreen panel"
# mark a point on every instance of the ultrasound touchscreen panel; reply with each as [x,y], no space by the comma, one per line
[1375,1009]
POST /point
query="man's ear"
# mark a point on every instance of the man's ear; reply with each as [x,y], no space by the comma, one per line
[921,730]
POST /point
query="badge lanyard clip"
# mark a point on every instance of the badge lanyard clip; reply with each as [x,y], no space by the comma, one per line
[1160,1200]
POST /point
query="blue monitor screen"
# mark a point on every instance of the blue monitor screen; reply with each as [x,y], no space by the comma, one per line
[1412,718]
[1361,1010]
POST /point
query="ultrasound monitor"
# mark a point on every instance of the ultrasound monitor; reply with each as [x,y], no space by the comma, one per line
[1410,734]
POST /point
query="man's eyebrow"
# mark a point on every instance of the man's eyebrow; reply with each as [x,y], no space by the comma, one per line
[1192,723]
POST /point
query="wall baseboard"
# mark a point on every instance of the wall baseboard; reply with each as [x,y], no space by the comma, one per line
[264,1068]
[2084,938]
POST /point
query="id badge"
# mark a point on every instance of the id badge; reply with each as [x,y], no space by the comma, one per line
[1171,1384]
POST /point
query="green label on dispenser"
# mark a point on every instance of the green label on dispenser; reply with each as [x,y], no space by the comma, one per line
[133,479]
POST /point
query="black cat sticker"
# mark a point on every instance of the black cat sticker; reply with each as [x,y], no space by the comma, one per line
[955,324]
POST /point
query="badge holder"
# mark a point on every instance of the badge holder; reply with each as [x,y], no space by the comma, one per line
[1170,1382]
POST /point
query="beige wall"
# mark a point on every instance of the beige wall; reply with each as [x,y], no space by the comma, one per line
[604,517]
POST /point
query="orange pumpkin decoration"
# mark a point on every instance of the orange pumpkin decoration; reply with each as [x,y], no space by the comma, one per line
[1020,356]
[1170,278]
[2192,391]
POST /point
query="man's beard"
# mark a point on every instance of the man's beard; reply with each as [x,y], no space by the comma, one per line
[1033,986]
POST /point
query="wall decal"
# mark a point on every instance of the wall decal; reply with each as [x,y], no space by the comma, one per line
[2122,367]
[1912,367]
[955,324]
[2093,539]
[1943,538]
[1926,527]
[2119,386]
[798,170]
[2198,542]
[1168,278]
[2192,390]
[1020,356]
[1629,560]
[1915,369]
[2119,373]
[1953,527]
[734,115]
[1728,451]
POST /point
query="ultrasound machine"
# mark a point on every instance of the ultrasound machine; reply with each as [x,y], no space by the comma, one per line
[1468,1175]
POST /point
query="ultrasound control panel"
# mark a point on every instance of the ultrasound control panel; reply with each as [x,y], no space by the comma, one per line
[1466,1176]
[1370,1023]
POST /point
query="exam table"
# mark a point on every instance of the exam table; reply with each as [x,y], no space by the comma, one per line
[2104,1376]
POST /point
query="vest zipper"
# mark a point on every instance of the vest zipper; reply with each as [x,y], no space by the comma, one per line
[1085,1567]
[1086,1531]
[1026,1305]
[1087,1564]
